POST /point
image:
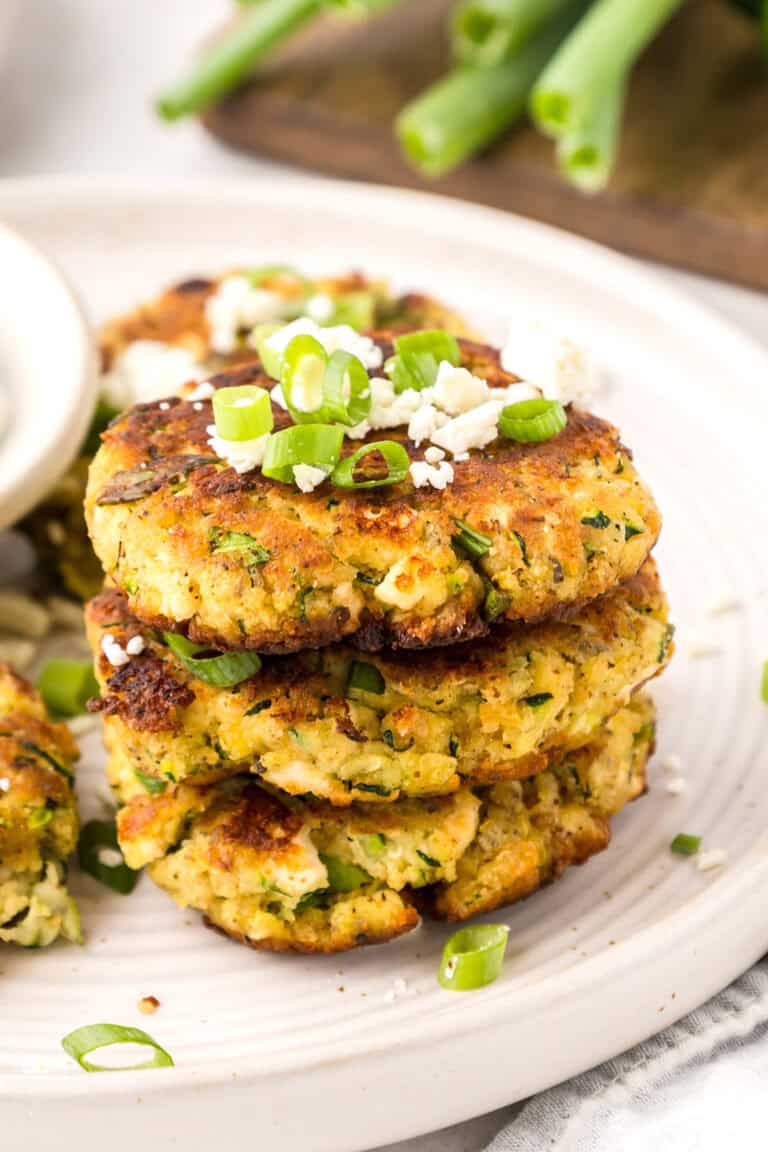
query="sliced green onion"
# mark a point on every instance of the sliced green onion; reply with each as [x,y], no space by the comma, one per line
[685,845]
[316,444]
[586,153]
[473,542]
[365,678]
[97,843]
[418,356]
[271,359]
[374,844]
[90,1037]
[39,818]
[395,457]
[473,957]
[151,783]
[764,684]
[66,686]
[537,699]
[264,272]
[224,670]
[234,55]
[221,541]
[488,31]
[357,309]
[242,413]
[598,520]
[598,54]
[495,604]
[343,877]
[532,421]
[319,389]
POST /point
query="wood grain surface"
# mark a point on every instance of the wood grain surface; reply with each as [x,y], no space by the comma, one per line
[691,185]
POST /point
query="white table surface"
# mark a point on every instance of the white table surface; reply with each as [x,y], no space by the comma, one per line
[76,81]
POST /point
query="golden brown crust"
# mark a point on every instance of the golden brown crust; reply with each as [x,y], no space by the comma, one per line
[559,515]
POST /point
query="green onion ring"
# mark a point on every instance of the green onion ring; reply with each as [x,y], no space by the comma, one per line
[473,957]
[532,421]
[303,367]
[271,360]
[242,413]
[94,836]
[224,670]
[66,686]
[90,1037]
[347,389]
[396,459]
[418,356]
[685,845]
[316,444]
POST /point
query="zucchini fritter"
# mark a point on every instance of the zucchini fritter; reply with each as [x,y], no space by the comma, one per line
[288,874]
[568,519]
[38,819]
[488,710]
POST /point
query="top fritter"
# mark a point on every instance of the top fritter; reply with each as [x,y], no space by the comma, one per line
[204,535]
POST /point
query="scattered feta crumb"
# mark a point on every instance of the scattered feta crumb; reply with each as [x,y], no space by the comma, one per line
[148,1005]
[320,307]
[164,405]
[555,364]
[424,423]
[358,431]
[434,455]
[715,858]
[4,784]
[204,391]
[342,338]
[278,398]
[198,407]
[438,476]
[148,370]
[676,785]
[457,390]
[114,651]
[399,988]
[242,455]
[459,457]
[472,429]
[307,477]
[135,646]
[236,307]
[671,764]
[724,604]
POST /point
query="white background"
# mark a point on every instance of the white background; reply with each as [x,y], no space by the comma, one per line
[76,82]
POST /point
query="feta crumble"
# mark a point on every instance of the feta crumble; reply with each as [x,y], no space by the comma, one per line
[676,785]
[135,646]
[437,475]
[555,364]
[457,390]
[434,455]
[242,455]
[148,370]
[473,429]
[204,391]
[307,477]
[320,308]
[114,651]
[238,306]
[715,858]
[341,338]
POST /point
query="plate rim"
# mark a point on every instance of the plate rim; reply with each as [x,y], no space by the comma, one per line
[490,1012]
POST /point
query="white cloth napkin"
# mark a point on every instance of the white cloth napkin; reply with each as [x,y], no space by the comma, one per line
[700,1086]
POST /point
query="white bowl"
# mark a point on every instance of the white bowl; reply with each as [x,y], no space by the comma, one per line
[48,376]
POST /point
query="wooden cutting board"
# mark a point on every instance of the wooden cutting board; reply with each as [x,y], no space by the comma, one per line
[691,186]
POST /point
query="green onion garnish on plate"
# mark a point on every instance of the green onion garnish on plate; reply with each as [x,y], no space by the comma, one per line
[685,845]
[764,684]
[98,854]
[91,1037]
[473,542]
[418,356]
[532,421]
[66,686]
[473,957]
[223,670]
[318,445]
[243,413]
[395,457]
[365,677]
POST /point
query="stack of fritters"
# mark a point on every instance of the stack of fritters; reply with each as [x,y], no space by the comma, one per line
[429,728]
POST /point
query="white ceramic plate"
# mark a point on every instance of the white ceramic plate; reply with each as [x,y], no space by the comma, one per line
[47,376]
[299,1053]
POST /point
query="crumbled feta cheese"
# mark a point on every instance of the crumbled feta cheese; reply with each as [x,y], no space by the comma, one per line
[204,391]
[135,646]
[424,423]
[459,457]
[457,390]
[114,652]
[473,429]
[559,367]
[238,306]
[242,455]
[676,785]
[712,859]
[403,586]
[148,370]
[164,406]
[339,338]
[439,476]
[4,784]
[198,406]
[320,307]
[307,477]
[389,408]
[434,455]
[358,431]
[278,398]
